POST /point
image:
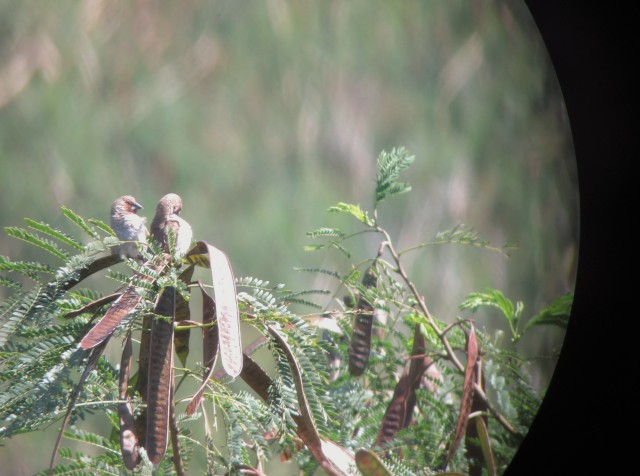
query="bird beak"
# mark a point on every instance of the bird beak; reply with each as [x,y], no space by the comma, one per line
[137,206]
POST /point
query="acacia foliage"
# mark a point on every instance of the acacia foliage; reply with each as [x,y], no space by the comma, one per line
[372,382]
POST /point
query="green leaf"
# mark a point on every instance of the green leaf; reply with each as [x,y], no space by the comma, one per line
[91,363]
[28,269]
[390,165]
[517,313]
[102,226]
[9,283]
[332,244]
[57,234]
[314,247]
[36,240]
[460,234]
[353,210]
[492,297]
[325,232]
[495,298]
[329,272]
[78,220]
[341,248]
[557,314]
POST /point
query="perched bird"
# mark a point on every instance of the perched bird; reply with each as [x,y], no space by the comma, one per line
[129,227]
[166,223]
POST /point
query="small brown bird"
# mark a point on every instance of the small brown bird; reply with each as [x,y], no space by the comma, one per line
[129,227]
[166,222]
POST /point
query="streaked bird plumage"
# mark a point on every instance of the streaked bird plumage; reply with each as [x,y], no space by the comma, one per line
[166,222]
[130,228]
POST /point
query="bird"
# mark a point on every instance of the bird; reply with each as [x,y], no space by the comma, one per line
[167,223]
[128,225]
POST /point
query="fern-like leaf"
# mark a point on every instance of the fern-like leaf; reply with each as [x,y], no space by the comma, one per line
[464,235]
[491,297]
[10,283]
[353,210]
[325,232]
[102,226]
[333,274]
[390,165]
[57,234]
[80,222]
[29,269]
[557,314]
[36,240]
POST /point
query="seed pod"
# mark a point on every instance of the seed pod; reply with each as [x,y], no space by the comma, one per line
[160,384]
[360,345]
[120,308]
[468,390]
[183,313]
[400,410]
[209,347]
[128,439]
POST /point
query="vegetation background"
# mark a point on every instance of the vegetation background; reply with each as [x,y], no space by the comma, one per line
[261,114]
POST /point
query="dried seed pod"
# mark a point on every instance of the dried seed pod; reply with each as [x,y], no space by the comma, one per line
[143,357]
[360,345]
[183,313]
[227,313]
[120,308]
[128,439]
[468,390]
[181,337]
[209,346]
[478,453]
[160,383]
[400,410]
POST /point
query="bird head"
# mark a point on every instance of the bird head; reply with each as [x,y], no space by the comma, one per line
[170,204]
[125,204]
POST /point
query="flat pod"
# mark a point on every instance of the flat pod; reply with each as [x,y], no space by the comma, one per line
[227,314]
[128,439]
[160,377]
[360,345]
[210,344]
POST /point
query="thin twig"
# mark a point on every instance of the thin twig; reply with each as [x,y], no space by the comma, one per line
[447,242]
[178,464]
[440,333]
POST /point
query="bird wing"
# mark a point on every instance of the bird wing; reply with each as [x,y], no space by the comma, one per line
[136,229]
[182,231]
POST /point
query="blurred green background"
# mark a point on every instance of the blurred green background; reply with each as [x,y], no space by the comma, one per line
[262,114]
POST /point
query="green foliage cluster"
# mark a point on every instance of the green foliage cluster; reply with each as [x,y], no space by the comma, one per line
[310,380]
[265,112]
[363,401]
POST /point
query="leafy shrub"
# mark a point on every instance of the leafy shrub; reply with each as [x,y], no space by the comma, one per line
[372,383]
